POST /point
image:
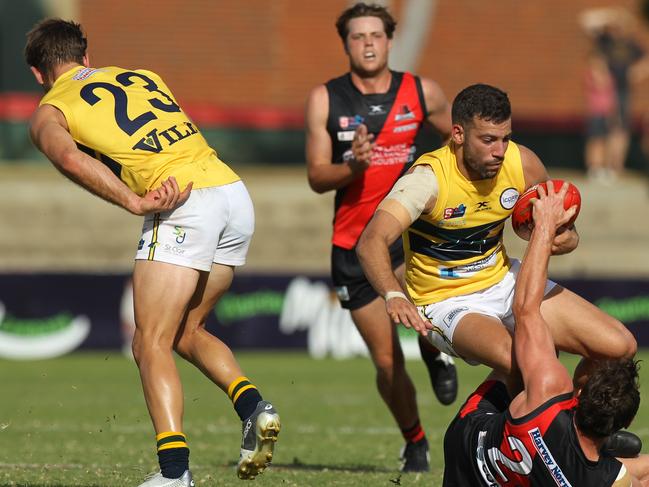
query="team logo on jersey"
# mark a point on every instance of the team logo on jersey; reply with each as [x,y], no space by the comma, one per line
[404,113]
[508,198]
[350,122]
[376,110]
[483,206]
[457,212]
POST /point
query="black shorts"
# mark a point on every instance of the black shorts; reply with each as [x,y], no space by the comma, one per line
[352,287]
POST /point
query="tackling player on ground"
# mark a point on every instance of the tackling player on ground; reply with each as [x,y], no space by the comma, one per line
[551,433]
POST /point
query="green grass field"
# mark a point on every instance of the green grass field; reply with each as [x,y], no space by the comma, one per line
[81,420]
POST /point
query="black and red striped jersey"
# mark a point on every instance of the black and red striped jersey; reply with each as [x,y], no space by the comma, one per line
[395,118]
[485,446]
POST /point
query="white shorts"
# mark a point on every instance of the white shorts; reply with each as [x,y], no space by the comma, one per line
[214,225]
[494,301]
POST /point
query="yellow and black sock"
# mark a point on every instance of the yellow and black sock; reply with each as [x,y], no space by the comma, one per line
[414,434]
[173,454]
[244,396]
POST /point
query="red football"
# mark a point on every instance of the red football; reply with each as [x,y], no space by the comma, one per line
[522,212]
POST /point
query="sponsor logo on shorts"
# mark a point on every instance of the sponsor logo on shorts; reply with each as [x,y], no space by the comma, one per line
[457,212]
[172,249]
[140,245]
[448,319]
[350,122]
[180,234]
[405,128]
[508,198]
[343,293]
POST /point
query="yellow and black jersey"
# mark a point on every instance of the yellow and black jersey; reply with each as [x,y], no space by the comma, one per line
[457,248]
[131,122]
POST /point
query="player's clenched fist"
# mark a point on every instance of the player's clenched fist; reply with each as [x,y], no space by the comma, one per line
[362,146]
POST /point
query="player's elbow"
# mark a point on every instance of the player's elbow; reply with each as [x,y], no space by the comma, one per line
[366,243]
[317,186]
[362,247]
[67,161]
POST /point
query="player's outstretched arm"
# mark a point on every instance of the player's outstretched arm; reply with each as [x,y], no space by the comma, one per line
[543,375]
[48,130]
[322,173]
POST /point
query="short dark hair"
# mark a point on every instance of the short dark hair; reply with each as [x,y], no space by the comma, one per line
[610,398]
[52,42]
[362,9]
[482,101]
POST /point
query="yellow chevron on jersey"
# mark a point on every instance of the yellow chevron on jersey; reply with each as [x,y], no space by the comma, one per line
[457,248]
[130,121]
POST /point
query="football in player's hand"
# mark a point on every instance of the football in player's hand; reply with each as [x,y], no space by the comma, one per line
[522,221]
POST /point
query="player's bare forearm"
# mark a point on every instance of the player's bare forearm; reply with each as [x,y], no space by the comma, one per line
[374,256]
[327,176]
[323,174]
[49,133]
[95,177]
[531,279]
[533,343]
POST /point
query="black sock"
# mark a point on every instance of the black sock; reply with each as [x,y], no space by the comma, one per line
[244,396]
[173,454]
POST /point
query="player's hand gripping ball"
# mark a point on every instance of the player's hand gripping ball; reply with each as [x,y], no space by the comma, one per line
[522,221]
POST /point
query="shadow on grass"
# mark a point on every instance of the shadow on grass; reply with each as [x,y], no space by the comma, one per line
[297,464]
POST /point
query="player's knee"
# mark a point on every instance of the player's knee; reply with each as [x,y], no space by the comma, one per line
[388,364]
[150,342]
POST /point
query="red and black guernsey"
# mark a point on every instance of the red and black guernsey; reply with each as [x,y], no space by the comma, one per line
[394,118]
[485,446]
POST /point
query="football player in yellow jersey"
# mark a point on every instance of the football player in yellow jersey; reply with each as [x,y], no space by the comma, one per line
[451,208]
[121,135]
